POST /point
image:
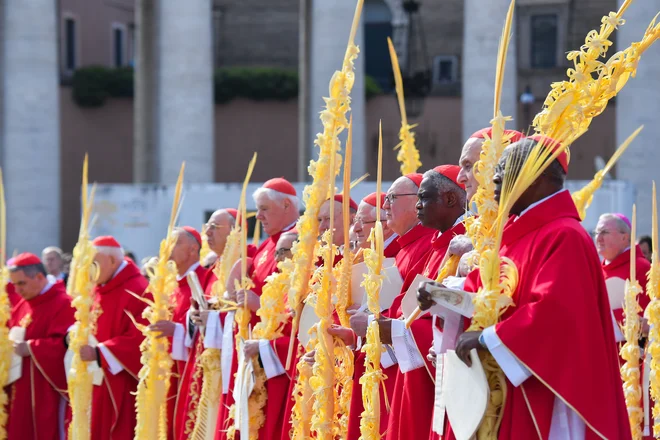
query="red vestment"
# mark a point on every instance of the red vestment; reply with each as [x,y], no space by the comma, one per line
[113,402]
[356,408]
[181,300]
[560,328]
[620,268]
[414,391]
[35,398]
[191,379]
[264,264]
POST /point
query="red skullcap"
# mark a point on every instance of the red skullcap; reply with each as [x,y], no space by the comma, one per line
[416,178]
[450,172]
[106,241]
[481,134]
[371,200]
[233,212]
[25,259]
[281,185]
[554,146]
[192,231]
[340,198]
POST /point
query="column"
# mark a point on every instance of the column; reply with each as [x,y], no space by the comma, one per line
[329,31]
[145,153]
[639,103]
[30,135]
[482,30]
[184,102]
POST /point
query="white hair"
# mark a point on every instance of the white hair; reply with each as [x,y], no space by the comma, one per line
[225,213]
[621,226]
[110,251]
[53,249]
[276,196]
[372,210]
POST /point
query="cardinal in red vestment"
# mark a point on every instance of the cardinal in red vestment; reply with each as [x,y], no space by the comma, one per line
[408,238]
[613,244]
[186,256]
[440,205]
[277,210]
[118,351]
[218,228]
[554,373]
[37,400]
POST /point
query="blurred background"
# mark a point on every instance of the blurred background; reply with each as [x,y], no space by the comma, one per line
[142,85]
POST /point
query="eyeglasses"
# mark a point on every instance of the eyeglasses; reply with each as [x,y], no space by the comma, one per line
[281,252]
[363,222]
[392,196]
[213,226]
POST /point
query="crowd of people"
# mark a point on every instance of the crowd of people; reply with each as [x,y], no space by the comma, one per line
[557,346]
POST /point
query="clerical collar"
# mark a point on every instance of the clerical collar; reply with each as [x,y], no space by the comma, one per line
[288,228]
[121,267]
[390,240]
[47,288]
[533,205]
[190,269]
[61,276]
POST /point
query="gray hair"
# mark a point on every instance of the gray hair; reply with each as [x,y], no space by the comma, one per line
[444,184]
[53,249]
[621,226]
[110,251]
[225,213]
[524,147]
[373,210]
[276,196]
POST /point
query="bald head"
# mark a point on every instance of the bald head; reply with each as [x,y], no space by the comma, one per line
[186,250]
[218,229]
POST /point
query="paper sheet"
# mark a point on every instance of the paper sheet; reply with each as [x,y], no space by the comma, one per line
[17,335]
[92,367]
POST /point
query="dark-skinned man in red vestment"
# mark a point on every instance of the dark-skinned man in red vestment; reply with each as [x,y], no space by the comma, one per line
[186,256]
[37,400]
[118,352]
[554,372]
[277,210]
[218,229]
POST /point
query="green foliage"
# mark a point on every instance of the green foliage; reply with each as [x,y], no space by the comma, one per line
[93,85]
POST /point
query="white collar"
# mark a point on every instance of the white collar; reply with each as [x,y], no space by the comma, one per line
[47,288]
[535,204]
[190,269]
[288,228]
[390,240]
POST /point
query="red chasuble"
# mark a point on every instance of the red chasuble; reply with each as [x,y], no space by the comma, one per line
[113,402]
[264,264]
[34,399]
[191,379]
[391,251]
[561,282]
[414,391]
[181,300]
[620,268]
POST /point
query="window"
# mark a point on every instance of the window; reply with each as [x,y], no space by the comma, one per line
[445,69]
[70,44]
[544,41]
[119,56]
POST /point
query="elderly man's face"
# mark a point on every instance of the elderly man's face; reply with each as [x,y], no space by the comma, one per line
[53,263]
[272,214]
[610,241]
[399,205]
[365,220]
[324,221]
[185,252]
[283,247]
[431,204]
[27,287]
[107,265]
[217,231]
[469,156]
